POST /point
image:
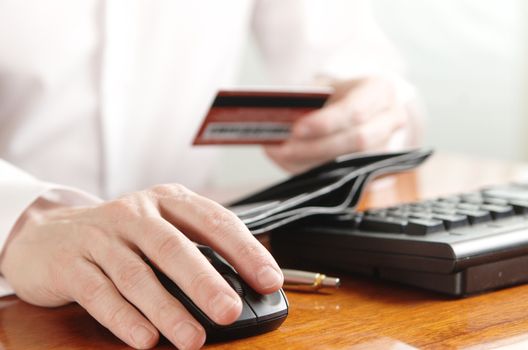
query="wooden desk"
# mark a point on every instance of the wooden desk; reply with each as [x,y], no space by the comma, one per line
[363,314]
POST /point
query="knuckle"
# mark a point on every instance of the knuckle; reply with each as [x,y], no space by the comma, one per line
[325,126]
[174,191]
[251,251]
[122,208]
[117,316]
[178,188]
[171,194]
[92,289]
[360,140]
[285,155]
[199,281]
[169,246]
[57,273]
[167,311]
[360,116]
[292,167]
[150,225]
[171,312]
[96,238]
[132,275]
[223,222]
[278,156]
[275,152]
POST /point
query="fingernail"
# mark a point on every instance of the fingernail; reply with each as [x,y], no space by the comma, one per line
[187,334]
[268,277]
[142,336]
[222,304]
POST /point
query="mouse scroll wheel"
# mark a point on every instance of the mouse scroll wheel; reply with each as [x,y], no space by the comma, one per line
[234,283]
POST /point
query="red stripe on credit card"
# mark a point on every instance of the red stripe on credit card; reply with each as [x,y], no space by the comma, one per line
[257,116]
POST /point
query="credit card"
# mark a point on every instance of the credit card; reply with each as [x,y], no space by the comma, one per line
[257,116]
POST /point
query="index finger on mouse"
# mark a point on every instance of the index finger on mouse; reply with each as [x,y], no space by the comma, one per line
[207,222]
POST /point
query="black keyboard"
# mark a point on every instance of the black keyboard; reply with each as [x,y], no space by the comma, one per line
[459,245]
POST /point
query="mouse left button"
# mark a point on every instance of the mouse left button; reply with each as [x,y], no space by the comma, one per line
[247,316]
[268,306]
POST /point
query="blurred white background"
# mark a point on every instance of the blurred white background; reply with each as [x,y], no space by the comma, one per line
[468,59]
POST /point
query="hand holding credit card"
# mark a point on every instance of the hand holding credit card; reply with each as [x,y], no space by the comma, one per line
[257,116]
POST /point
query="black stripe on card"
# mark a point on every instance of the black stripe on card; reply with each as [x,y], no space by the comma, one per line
[312,101]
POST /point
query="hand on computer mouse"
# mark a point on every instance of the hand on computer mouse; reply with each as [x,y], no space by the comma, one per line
[95,256]
[260,313]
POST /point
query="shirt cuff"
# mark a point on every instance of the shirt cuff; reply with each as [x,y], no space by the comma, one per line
[5,288]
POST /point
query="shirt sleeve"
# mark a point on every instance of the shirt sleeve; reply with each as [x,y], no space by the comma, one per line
[18,191]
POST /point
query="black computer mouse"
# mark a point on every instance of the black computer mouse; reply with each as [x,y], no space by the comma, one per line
[260,313]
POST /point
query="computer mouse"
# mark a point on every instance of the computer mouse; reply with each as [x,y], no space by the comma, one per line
[260,313]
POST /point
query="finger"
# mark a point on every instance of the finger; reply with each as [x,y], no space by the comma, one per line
[136,281]
[371,97]
[355,107]
[283,159]
[94,292]
[325,121]
[207,222]
[302,153]
[179,258]
[377,133]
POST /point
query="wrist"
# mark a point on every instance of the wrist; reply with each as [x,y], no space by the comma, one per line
[34,213]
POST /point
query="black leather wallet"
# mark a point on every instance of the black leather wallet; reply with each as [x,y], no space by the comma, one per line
[326,189]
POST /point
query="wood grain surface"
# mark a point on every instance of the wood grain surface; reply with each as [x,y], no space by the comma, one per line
[362,314]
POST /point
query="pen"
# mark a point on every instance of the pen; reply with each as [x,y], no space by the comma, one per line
[307,281]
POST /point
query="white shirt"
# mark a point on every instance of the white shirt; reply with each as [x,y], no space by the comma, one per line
[105,96]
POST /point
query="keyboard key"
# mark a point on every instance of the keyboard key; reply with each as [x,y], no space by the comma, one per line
[420,205]
[351,221]
[446,211]
[520,185]
[421,209]
[421,215]
[507,192]
[377,212]
[498,211]
[452,221]
[383,224]
[443,205]
[474,198]
[420,227]
[400,212]
[496,201]
[520,207]
[450,199]
[468,206]
[475,216]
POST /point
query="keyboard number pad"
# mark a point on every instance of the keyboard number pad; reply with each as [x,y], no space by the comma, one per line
[447,213]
